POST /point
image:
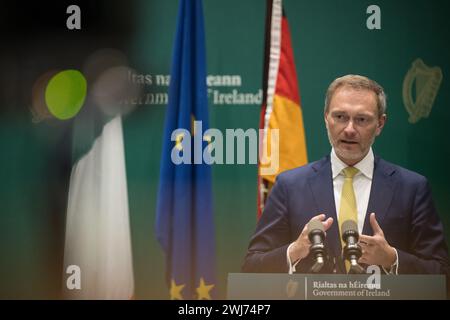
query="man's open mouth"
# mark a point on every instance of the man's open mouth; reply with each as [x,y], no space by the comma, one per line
[349,142]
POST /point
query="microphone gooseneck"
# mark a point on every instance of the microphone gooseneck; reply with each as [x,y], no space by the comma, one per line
[316,235]
[352,250]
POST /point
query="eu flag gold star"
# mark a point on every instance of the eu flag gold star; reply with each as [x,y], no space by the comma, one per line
[175,291]
[203,290]
[179,141]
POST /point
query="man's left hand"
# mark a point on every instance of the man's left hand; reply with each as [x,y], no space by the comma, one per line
[375,249]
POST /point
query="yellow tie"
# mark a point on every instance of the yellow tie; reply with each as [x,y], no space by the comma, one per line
[348,209]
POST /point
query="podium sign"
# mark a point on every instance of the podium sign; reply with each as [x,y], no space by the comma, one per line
[275,286]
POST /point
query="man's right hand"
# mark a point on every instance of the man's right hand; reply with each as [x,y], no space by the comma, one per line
[300,248]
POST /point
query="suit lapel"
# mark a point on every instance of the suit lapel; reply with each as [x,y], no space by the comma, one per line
[381,193]
[321,183]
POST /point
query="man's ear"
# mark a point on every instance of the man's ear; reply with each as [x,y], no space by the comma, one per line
[381,122]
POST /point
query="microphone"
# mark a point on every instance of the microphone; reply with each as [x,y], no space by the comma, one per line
[352,250]
[316,235]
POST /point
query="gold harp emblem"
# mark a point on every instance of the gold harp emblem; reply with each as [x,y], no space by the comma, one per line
[427,82]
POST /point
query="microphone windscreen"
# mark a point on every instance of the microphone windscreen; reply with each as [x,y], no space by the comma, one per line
[349,225]
[315,225]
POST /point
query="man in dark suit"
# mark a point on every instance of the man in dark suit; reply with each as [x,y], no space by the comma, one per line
[392,206]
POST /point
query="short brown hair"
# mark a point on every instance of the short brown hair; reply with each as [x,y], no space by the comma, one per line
[359,83]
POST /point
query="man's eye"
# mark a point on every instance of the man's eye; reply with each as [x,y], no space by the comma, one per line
[362,120]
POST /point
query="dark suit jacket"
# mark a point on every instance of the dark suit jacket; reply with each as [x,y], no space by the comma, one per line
[401,200]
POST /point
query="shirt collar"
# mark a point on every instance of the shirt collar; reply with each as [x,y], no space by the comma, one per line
[365,166]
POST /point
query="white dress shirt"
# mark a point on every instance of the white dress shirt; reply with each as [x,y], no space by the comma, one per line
[362,184]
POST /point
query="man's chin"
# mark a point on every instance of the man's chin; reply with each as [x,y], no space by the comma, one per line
[349,156]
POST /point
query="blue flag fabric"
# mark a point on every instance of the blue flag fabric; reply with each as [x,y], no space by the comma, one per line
[184,217]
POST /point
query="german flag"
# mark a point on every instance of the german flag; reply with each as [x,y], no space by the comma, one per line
[281,108]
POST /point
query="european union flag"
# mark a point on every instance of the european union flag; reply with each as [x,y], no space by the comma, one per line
[184,222]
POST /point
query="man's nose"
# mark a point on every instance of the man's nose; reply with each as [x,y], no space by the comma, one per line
[350,128]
